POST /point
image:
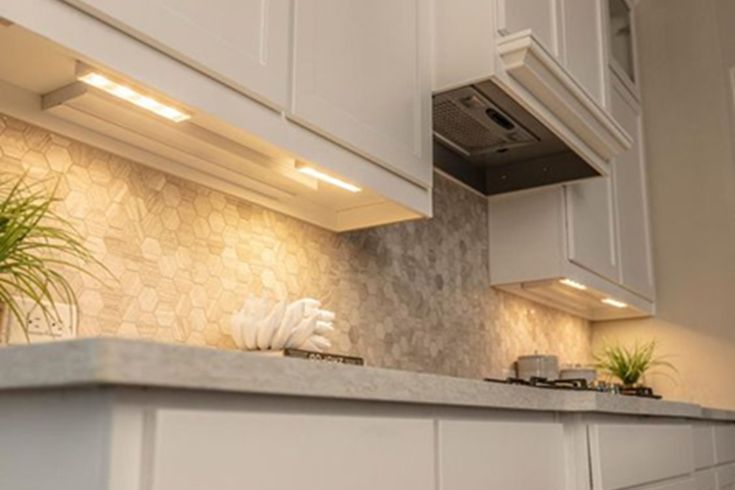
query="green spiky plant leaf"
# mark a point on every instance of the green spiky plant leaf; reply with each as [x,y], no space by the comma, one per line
[630,364]
[36,247]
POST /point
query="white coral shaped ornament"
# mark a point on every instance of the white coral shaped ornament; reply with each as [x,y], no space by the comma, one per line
[262,325]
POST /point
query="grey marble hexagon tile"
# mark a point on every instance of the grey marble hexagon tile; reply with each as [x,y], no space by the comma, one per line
[413,295]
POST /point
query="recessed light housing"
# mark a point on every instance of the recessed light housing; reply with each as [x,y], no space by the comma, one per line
[305,169]
[104,83]
[614,302]
[573,284]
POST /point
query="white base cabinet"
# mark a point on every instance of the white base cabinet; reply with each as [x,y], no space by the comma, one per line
[479,455]
[121,438]
[197,449]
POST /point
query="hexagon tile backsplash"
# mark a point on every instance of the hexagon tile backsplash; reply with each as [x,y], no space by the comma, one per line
[411,296]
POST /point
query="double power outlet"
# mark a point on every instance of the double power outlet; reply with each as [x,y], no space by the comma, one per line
[41,327]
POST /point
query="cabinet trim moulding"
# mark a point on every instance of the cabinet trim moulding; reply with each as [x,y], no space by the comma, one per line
[530,65]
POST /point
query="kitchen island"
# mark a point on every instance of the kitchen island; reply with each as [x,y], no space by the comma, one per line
[117,414]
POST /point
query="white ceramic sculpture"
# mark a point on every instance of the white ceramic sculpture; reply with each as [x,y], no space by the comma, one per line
[262,324]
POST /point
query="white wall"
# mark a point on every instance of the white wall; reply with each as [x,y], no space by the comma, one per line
[686,50]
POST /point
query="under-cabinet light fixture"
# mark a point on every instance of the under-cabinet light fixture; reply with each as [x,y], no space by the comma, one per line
[614,302]
[573,284]
[129,95]
[328,178]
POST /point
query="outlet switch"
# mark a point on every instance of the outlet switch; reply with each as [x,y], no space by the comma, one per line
[40,327]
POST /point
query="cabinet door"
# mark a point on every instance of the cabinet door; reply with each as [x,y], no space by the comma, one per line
[705,480]
[624,456]
[540,16]
[476,455]
[583,44]
[591,227]
[726,478]
[629,176]
[193,450]
[243,43]
[687,484]
[362,77]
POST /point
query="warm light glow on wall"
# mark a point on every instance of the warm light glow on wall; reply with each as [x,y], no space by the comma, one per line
[328,179]
[573,284]
[129,95]
[614,302]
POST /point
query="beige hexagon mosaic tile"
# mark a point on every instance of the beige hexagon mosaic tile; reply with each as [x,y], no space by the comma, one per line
[411,296]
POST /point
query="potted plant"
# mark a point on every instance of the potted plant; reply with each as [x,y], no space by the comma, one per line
[36,247]
[629,365]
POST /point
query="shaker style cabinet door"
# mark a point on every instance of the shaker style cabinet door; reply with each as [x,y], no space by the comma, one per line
[591,227]
[244,43]
[199,449]
[629,175]
[540,16]
[479,455]
[362,77]
[582,37]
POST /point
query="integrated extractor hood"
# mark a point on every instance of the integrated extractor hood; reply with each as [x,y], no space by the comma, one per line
[517,119]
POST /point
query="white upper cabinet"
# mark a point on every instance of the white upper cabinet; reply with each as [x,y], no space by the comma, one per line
[631,198]
[362,76]
[583,44]
[242,43]
[591,227]
[537,15]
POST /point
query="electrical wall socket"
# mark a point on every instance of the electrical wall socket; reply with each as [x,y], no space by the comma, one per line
[40,328]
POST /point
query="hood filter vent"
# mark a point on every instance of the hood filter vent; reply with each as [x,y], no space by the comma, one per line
[472,125]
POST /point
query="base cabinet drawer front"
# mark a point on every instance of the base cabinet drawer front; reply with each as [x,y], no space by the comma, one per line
[625,456]
[724,443]
[245,43]
[195,450]
[704,446]
[726,478]
[476,455]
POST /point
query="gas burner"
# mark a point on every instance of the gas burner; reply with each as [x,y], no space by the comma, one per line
[578,385]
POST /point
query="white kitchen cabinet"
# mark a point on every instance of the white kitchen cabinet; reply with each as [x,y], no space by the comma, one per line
[591,227]
[192,450]
[726,478]
[229,66]
[624,456]
[705,480]
[704,446]
[582,36]
[629,176]
[243,43]
[685,484]
[540,16]
[724,444]
[362,76]
[479,455]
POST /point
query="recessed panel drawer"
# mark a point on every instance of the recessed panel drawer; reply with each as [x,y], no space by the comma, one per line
[630,455]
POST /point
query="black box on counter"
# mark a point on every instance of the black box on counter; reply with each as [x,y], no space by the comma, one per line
[312,356]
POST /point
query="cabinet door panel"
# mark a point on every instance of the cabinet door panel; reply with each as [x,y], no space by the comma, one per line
[626,456]
[704,446]
[705,480]
[244,43]
[537,15]
[485,455]
[193,450]
[631,200]
[583,44]
[591,227]
[726,478]
[725,443]
[362,76]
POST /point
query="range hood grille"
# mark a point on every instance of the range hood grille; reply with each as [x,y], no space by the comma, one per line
[472,125]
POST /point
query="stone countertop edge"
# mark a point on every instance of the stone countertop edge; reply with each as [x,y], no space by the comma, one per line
[103,361]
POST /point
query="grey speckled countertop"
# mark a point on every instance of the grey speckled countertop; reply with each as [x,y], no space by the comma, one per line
[114,362]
